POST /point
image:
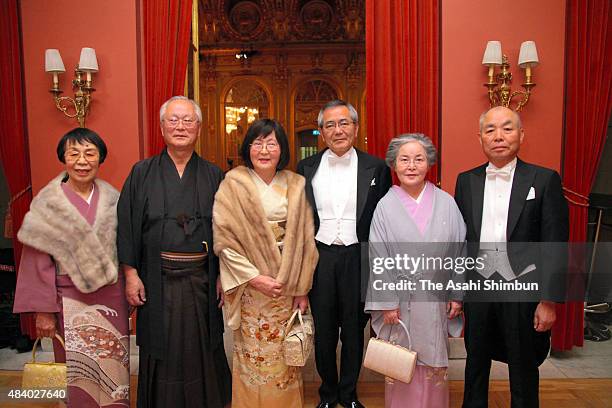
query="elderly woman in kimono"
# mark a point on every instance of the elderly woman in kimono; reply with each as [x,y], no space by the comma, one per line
[418,213]
[264,237]
[68,274]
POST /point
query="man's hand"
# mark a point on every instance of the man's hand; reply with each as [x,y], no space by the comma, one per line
[134,289]
[544,317]
[453,308]
[220,294]
[45,324]
[267,285]
[300,302]
[391,316]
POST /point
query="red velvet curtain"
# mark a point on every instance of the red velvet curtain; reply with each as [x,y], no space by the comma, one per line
[588,96]
[13,146]
[402,71]
[167,32]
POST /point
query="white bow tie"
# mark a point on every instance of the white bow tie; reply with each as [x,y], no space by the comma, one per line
[504,172]
[333,160]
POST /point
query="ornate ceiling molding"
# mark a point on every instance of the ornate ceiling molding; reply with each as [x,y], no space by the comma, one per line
[224,22]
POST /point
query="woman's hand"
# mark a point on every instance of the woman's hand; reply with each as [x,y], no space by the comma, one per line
[45,324]
[392,316]
[267,285]
[134,289]
[220,294]
[300,302]
[453,308]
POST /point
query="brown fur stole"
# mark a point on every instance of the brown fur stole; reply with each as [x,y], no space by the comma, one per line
[239,223]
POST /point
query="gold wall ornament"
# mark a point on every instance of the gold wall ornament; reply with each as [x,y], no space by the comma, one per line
[82,84]
[499,87]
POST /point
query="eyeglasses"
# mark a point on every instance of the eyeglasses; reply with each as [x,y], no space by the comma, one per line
[417,161]
[342,124]
[187,122]
[270,146]
[90,156]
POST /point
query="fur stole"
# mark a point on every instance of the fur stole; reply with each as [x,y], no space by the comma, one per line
[239,223]
[87,253]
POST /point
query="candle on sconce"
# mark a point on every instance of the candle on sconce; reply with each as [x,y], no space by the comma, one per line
[54,65]
[528,58]
[492,57]
[55,80]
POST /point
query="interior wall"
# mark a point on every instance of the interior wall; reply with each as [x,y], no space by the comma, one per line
[109,26]
[466,28]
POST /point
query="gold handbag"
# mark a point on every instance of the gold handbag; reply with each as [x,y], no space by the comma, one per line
[298,341]
[44,375]
[391,360]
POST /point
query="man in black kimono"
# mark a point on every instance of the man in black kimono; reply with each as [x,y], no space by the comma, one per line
[164,243]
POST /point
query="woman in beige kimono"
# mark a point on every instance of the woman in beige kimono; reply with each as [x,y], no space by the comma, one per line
[264,237]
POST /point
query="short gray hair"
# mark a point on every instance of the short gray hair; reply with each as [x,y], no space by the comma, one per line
[397,142]
[333,104]
[519,122]
[196,107]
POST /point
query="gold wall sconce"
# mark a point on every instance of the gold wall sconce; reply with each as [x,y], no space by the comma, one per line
[82,84]
[499,89]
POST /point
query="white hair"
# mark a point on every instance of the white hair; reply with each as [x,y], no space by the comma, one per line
[196,107]
[333,104]
[397,142]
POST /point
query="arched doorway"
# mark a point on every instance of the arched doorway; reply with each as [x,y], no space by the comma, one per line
[244,102]
[310,96]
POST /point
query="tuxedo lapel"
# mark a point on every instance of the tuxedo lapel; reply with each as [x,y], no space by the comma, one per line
[310,169]
[477,184]
[365,175]
[522,182]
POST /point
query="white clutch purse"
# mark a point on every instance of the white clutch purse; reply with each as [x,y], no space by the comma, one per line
[391,360]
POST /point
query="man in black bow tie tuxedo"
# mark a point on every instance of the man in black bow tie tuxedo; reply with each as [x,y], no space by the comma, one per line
[506,202]
[343,186]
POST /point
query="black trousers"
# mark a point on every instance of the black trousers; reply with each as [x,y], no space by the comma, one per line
[337,310]
[191,374]
[503,332]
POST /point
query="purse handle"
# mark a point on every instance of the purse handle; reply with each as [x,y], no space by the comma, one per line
[297,312]
[57,336]
[391,329]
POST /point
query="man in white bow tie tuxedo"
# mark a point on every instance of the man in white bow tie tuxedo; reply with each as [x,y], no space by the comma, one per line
[343,186]
[504,203]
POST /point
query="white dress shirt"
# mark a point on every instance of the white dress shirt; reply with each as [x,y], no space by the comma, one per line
[335,190]
[496,202]
[498,186]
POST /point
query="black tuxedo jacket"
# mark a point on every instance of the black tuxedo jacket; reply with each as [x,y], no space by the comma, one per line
[543,219]
[373,182]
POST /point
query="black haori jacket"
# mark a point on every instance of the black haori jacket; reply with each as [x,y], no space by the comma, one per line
[140,214]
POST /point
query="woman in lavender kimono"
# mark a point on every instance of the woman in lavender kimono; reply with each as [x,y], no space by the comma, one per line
[420,214]
[68,274]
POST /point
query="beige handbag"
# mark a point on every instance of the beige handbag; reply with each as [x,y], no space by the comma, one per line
[298,341]
[44,375]
[391,360]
